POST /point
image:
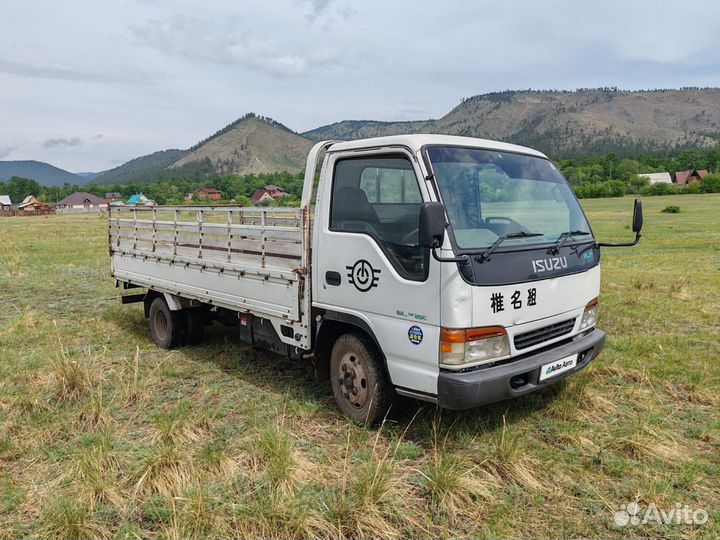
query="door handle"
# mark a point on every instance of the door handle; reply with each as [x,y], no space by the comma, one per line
[333,278]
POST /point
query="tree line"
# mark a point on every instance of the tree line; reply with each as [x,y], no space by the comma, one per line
[612,176]
[171,191]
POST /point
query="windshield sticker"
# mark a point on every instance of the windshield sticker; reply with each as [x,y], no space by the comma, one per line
[588,255]
[415,335]
[497,300]
[363,275]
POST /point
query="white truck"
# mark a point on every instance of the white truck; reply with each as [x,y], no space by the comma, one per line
[454,270]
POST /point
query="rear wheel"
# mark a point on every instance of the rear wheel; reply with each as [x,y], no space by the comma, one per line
[167,327]
[361,387]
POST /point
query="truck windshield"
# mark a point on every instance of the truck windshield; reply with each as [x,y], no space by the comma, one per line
[490,194]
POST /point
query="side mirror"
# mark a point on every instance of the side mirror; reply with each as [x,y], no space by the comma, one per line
[431,230]
[637,221]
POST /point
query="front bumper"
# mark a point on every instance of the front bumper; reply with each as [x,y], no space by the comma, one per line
[464,390]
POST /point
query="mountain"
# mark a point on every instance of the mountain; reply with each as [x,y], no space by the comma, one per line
[250,145]
[361,129]
[560,123]
[89,176]
[567,123]
[142,169]
[43,173]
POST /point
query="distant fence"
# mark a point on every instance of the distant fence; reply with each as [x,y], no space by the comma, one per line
[11,213]
[89,210]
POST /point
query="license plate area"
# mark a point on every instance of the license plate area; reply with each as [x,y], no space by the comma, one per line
[555,368]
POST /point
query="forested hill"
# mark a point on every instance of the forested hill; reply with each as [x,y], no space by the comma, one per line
[44,173]
[142,169]
[569,123]
[251,145]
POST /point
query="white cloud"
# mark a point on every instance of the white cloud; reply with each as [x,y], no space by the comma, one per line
[25,69]
[229,41]
[54,143]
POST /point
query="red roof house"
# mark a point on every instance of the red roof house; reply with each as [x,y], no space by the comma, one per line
[688,177]
[267,194]
[208,193]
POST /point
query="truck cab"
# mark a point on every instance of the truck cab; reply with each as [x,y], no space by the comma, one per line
[453,270]
[468,263]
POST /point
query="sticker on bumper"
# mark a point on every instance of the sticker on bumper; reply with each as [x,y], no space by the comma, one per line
[557,367]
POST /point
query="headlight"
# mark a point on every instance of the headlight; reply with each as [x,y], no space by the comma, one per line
[473,345]
[590,314]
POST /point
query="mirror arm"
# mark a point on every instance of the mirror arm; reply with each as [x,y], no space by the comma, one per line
[461,258]
[627,244]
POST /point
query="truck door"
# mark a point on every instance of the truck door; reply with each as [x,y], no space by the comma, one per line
[368,264]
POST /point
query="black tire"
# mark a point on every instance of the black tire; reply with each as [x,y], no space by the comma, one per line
[195,320]
[361,387]
[167,328]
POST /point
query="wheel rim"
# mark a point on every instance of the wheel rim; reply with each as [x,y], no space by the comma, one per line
[161,325]
[352,377]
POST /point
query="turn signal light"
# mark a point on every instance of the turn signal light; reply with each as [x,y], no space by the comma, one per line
[590,314]
[473,346]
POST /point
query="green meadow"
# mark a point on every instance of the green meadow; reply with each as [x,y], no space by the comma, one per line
[104,435]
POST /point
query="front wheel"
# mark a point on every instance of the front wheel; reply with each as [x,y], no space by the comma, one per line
[361,387]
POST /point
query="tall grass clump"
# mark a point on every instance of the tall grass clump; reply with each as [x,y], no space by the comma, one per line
[453,484]
[72,378]
[73,519]
[363,504]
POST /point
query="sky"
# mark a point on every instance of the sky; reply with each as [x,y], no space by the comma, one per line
[88,85]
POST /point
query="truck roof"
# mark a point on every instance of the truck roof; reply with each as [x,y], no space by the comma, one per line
[417,141]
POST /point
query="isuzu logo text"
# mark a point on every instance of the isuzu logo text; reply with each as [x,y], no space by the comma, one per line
[546,265]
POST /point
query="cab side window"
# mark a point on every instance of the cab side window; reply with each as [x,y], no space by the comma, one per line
[380,197]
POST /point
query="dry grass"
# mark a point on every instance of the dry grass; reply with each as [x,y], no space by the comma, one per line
[274,450]
[360,506]
[71,519]
[15,264]
[134,384]
[72,378]
[96,474]
[102,435]
[163,469]
[454,484]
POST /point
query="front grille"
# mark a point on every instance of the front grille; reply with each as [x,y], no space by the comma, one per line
[546,333]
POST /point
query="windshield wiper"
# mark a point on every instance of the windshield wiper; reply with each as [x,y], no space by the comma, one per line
[485,255]
[560,242]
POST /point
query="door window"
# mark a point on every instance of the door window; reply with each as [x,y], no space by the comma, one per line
[380,197]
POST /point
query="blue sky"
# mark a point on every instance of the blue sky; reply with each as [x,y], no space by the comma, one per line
[88,85]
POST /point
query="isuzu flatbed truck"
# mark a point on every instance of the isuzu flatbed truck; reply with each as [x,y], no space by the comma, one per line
[453,270]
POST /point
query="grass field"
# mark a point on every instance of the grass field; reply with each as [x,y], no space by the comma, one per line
[103,435]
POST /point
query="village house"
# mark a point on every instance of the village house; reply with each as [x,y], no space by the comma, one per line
[657,177]
[140,200]
[211,194]
[113,197]
[80,202]
[32,206]
[5,203]
[690,176]
[267,194]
